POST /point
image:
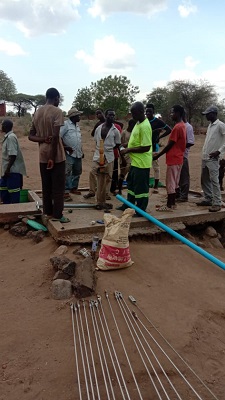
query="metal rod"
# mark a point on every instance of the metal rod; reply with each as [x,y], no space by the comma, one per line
[153,353]
[85,350]
[103,351]
[113,348]
[99,353]
[91,351]
[82,355]
[117,297]
[108,347]
[124,348]
[75,352]
[172,348]
[166,228]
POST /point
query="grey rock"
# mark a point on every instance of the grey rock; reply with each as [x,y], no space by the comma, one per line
[216,243]
[58,262]
[61,289]
[61,250]
[69,268]
[60,275]
[84,280]
[211,232]
[19,229]
[6,227]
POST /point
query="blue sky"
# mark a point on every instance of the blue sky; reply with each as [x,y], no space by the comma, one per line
[68,44]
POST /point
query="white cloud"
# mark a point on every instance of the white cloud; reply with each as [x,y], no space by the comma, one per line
[109,56]
[104,8]
[11,48]
[35,17]
[187,8]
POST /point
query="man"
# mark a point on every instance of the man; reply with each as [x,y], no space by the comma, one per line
[101,119]
[71,137]
[184,183]
[108,136]
[45,130]
[214,145]
[174,151]
[13,166]
[125,160]
[158,125]
[140,151]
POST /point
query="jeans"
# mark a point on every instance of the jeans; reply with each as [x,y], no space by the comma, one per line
[210,181]
[73,172]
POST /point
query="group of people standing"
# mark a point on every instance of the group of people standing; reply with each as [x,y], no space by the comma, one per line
[135,149]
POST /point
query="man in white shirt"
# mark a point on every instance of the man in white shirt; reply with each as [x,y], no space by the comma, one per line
[71,137]
[111,138]
[214,145]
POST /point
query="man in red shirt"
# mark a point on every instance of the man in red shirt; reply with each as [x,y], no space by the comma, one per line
[174,156]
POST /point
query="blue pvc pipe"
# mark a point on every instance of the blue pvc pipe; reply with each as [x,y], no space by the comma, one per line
[155,221]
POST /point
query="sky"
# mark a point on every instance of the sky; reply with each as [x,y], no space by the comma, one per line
[68,44]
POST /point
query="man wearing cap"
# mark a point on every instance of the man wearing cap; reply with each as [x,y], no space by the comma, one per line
[214,145]
[71,137]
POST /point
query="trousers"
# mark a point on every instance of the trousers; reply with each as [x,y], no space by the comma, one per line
[210,181]
[10,188]
[73,172]
[53,186]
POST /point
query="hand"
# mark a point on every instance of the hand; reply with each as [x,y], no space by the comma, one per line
[214,154]
[124,151]
[50,164]
[48,139]
[69,149]
[155,157]
[7,173]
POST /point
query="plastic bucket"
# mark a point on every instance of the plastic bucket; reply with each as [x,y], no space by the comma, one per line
[24,196]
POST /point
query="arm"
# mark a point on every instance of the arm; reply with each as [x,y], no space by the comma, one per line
[37,139]
[140,149]
[165,150]
[10,163]
[167,130]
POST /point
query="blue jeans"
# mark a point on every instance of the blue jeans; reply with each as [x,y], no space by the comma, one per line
[73,172]
[210,181]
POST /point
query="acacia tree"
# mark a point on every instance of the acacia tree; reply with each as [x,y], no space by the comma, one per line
[114,92]
[84,101]
[20,104]
[35,101]
[7,87]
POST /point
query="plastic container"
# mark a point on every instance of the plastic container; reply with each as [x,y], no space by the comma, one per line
[24,196]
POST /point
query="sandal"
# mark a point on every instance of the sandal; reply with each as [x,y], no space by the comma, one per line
[164,208]
[88,195]
[63,219]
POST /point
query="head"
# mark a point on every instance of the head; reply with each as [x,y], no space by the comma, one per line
[53,97]
[110,116]
[100,114]
[74,115]
[131,125]
[184,118]
[150,111]
[177,113]
[211,113]
[138,111]
[7,125]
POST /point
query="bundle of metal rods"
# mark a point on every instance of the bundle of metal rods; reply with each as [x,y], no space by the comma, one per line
[117,356]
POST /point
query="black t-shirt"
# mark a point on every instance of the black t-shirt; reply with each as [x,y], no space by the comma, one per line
[157,126]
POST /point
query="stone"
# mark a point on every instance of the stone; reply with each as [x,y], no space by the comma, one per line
[188,236]
[60,275]
[58,262]
[211,232]
[61,250]
[69,268]
[61,289]
[84,280]
[38,236]
[216,243]
[19,229]
[6,227]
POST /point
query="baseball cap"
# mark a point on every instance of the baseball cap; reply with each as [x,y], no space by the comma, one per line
[73,112]
[210,109]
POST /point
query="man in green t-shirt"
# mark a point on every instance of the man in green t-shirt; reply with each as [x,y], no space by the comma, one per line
[140,151]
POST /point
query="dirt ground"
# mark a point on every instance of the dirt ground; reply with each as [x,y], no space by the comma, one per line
[180,291]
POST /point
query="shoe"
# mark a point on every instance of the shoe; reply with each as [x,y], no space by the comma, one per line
[88,195]
[63,219]
[214,208]
[204,203]
[121,208]
[181,200]
[67,197]
[108,197]
[75,191]
[155,191]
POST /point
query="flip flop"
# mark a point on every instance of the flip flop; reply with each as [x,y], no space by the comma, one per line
[63,219]
[164,208]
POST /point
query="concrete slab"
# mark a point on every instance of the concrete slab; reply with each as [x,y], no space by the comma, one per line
[9,212]
[81,230]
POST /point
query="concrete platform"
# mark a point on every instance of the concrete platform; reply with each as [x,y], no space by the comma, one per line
[9,212]
[81,230]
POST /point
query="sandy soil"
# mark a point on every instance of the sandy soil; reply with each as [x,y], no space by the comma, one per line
[181,292]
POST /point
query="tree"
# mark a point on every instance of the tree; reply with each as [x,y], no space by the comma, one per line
[7,87]
[114,92]
[35,101]
[21,104]
[84,101]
